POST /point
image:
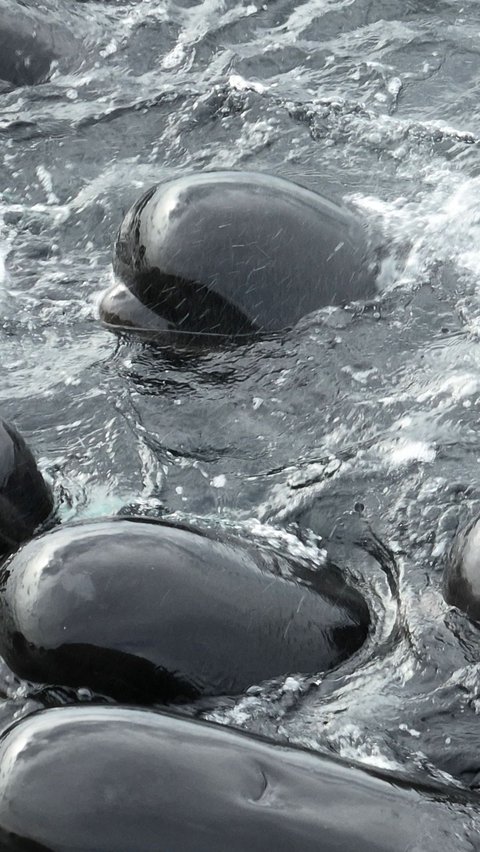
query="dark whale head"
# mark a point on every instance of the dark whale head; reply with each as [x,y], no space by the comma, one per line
[235,254]
[33,42]
[461,579]
[25,498]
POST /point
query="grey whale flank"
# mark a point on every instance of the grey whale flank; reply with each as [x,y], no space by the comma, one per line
[112,779]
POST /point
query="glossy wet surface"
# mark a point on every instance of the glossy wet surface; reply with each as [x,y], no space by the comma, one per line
[361,425]
[247,793]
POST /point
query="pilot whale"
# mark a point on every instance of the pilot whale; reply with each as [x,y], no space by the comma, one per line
[112,779]
[237,253]
[147,611]
[461,577]
[32,40]
[25,498]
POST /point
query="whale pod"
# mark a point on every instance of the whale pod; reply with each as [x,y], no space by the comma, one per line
[238,253]
[147,611]
[25,498]
[112,779]
[461,577]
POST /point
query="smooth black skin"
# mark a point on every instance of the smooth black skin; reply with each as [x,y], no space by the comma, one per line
[461,576]
[30,40]
[112,779]
[147,611]
[25,498]
[237,253]
[15,843]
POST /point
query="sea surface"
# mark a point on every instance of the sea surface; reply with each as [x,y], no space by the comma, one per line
[357,432]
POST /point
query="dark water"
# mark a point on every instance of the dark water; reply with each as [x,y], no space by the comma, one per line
[358,432]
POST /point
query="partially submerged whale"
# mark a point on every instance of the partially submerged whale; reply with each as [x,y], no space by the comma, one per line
[31,41]
[111,779]
[236,253]
[25,498]
[461,578]
[148,611]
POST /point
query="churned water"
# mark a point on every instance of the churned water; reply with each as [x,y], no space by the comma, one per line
[360,429]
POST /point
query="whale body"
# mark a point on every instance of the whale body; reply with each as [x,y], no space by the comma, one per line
[461,577]
[31,41]
[148,611]
[112,779]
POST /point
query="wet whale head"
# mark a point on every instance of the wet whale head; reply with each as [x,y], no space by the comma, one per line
[235,254]
[25,498]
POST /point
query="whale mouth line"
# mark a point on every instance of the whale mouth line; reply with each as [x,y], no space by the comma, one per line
[179,332]
[190,306]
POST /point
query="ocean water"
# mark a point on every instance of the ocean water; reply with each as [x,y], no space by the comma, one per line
[357,432]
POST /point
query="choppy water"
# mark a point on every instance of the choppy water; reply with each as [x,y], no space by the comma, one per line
[359,431]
